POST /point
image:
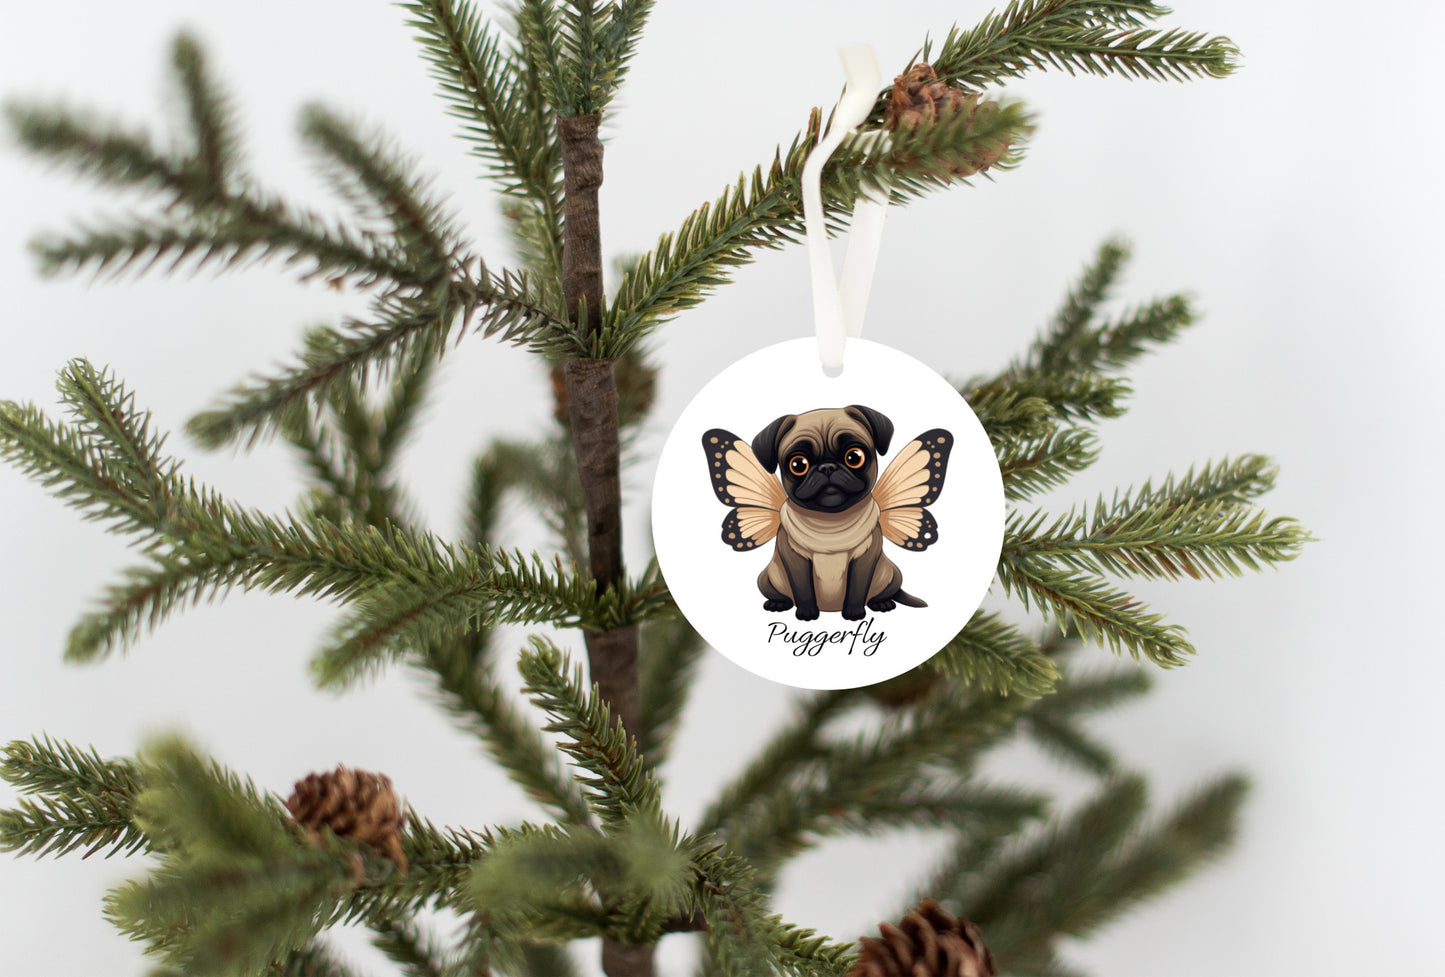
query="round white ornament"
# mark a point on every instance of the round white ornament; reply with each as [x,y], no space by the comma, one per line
[828,532]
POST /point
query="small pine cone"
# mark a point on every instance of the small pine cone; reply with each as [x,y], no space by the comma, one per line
[920,99]
[928,943]
[353,804]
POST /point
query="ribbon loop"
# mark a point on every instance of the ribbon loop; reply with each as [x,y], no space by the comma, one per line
[838,310]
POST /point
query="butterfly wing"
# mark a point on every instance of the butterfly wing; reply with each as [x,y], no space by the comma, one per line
[739,480]
[911,483]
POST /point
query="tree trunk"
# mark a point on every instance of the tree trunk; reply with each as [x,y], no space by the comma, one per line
[592,414]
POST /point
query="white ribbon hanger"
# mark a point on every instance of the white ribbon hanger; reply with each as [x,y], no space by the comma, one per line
[838,308]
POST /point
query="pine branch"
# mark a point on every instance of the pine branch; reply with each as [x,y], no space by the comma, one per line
[538,29]
[408,944]
[838,792]
[1162,534]
[744,939]
[1055,721]
[991,656]
[538,882]
[496,99]
[1033,465]
[408,587]
[315,959]
[618,783]
[232,548]
[1200,828]
[670,651]
[938,803]
[1096,37]
[1094,867]
[580,52]
[1044,876]
[1115,344]
[1097,612]
[249,230]
[545,473]
[792,747]
[83,801]
[502,307]
[1069,744]
[605,42]
[401,615]
[80,466]
[506,120]
[369,174]
[1054,352]
[406,398]
[1016,406]
[224,898]
[765,210]
[467,690]
[208,216]
[546,960]
[351,448]
[1085,693]
[336,479]
[210,112]
[101,150]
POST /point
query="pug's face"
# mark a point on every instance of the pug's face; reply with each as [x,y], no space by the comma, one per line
[828,459]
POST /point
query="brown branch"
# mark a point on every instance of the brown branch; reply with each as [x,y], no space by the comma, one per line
[592,415]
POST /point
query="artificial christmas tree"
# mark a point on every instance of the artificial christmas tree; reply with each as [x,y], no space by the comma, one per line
[241,888]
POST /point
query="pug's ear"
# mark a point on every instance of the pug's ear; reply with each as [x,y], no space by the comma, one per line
[876,422]
[765,444]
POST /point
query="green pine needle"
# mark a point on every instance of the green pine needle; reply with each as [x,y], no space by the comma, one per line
[82,801]
[468,691]
[1096,611]
[669,654]
[617,781]
[764,210]
[992,656]
[377,181]
[1096,37]
[1033,465]
[492,306]
[1195,527]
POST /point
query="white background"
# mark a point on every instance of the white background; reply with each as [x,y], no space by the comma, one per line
[1298,200]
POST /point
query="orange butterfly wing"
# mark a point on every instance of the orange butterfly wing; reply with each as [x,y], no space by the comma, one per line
[911,483]
[739,480]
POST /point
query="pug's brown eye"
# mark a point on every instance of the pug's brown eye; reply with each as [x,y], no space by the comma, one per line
[855,458]
[798,465]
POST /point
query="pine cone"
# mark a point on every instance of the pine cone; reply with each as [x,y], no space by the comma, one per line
[353,804]
[928,943]
[920,99]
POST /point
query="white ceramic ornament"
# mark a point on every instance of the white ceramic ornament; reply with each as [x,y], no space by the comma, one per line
[828,512]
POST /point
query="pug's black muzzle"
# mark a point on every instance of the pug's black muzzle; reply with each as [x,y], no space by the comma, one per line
[829,487]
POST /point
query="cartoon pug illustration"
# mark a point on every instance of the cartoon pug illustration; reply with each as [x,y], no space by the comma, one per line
[824,508]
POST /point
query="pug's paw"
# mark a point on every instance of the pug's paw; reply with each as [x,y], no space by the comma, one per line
[807,613]
[777,604]
[882,604]
[854,613]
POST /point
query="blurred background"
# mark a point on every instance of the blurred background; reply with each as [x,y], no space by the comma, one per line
[1297,200]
